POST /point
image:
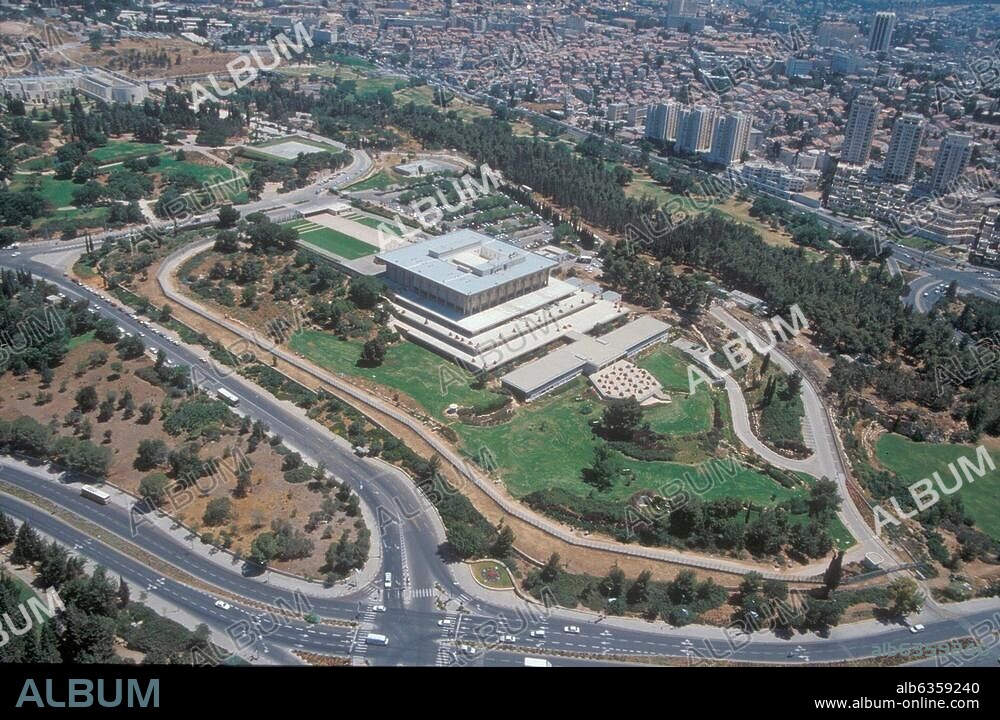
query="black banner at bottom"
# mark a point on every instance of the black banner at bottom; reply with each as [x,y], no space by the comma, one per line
[179,691]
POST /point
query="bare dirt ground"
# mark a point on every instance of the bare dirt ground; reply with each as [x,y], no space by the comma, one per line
[137,58]
[271,496]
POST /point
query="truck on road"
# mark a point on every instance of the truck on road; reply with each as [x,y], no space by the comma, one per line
[536,662]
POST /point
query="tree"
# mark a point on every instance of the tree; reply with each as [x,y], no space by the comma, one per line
[86,398]
[228,217]
[606,469]
[613,584]
[622,418]
[218,511]
[264,548]
[834,571]
[373,352]
[27,546]
[146,413]
[504,544]
[123,593]
[552,568]
[752,583]
[639,591]
[130,347]
[904,595]
[365,291]
[794,383]
[154,488]
[152,452]
[824,499]
[8,530]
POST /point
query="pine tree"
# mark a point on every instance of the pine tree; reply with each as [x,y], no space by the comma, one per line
[123,593]
[27,546]
[834,572]
[8,531]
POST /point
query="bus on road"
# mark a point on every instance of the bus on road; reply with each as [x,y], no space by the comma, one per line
[227,397]
[536,662]
[92,493]
[376,639]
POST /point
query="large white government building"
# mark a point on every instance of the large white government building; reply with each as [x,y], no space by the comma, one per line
[466,271]
[487,304]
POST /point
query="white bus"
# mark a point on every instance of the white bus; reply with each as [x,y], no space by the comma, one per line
[92,493]
[227,397]
[376,639]
[536,662]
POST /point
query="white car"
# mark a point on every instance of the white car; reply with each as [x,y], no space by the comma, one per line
[916,628]
[378,608]
[444,623]
[467,649]
[537,633]
[508,639]
[223,604]
[573,629]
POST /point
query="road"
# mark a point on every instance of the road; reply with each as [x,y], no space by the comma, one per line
[429,637]
[412,606]
[827,460]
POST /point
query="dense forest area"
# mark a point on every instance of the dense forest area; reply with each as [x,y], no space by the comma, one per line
[852,310]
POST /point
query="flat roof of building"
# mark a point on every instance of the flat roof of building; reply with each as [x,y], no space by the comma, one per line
[466,261]
[584,350]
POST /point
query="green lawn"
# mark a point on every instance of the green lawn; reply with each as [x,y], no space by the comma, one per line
[918,243]
[386,224]
[331,240]
[549,442]
[408,367]
[668,365]
[914,461]
[81,339]
[118,151]
[684,415]
[57,193]
[379,181]
[35,164]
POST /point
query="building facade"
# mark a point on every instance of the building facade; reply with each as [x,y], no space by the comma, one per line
[952,159]
[880,39]
[901,157]
[861,122]
[729,142]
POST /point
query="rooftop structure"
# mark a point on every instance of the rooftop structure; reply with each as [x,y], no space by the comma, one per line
[584,354]
[466,271]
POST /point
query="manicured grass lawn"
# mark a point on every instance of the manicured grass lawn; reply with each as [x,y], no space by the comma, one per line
[118,151]
[332,240]
[914,461]
[684,415]
[202,173]
[408,367]
[386,224]
[668,365]
[35,164]
[57,193]
[379,181]
[549,442]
